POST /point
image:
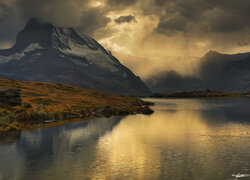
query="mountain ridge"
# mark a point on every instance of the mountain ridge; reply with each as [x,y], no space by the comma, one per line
[43,52]
[219,72]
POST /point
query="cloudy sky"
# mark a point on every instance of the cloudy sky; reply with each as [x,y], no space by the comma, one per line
[148,36]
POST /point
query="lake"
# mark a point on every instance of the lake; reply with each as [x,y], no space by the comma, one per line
[185,139]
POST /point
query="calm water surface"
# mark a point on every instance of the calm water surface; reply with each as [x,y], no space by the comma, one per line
[183,140]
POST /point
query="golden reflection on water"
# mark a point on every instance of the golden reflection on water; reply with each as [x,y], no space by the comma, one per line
[182,140]
[127,149]
[134,149]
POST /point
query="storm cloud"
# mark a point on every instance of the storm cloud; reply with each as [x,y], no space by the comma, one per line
[165,30]
[92,20]
[121,2]
[58,12]
[125,19]
[206,16]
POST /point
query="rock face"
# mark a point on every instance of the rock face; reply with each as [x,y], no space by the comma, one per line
[9,96]
[47,53]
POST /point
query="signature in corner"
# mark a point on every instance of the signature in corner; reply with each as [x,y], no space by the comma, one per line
[240,175]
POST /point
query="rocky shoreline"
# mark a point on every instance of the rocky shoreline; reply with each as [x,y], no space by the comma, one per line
[36,119]
[44,119]
[197,94]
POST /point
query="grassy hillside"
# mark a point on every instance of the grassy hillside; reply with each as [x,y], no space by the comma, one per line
[52,101]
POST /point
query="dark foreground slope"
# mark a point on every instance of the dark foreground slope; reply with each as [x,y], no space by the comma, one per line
[53,102]
[47,53]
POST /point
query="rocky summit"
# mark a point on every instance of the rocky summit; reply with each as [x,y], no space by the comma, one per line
[46,53]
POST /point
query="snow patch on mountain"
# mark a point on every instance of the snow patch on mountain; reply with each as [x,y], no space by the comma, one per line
[59,36]
[37,54]
[62,35]
[79,63]
[4,59]
[18,56]
[95,55]
[32,47]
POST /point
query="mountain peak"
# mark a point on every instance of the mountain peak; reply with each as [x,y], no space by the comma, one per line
[50,36]
[34,32]
[44,52]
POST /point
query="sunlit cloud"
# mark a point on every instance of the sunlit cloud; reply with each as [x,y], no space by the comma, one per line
[142,33]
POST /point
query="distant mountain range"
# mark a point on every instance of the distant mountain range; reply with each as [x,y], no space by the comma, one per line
[171,82]
[219,72]
[43,52]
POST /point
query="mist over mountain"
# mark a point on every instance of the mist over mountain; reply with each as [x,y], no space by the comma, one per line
[213,62]
[43,52]
[220,72]
[172,82]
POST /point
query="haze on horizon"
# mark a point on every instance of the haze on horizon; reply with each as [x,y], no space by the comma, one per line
[148,36]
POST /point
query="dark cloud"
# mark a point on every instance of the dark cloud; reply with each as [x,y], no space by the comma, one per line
[193,26]
[203,16]
[73,13]
[176,16]
[58,12]
[92,20]
[172,26]
[125,19]
[121,2]
[3,10]
[10,24]
[223,21]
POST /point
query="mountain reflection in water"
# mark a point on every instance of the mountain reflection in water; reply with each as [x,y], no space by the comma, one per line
[183,139]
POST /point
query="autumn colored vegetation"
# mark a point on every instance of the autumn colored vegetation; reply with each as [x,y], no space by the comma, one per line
[45,102]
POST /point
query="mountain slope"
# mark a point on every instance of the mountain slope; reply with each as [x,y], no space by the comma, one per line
[51,54]
[220,72]
[213,62]
[235,77]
